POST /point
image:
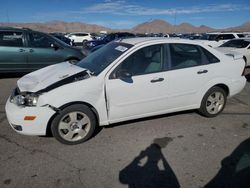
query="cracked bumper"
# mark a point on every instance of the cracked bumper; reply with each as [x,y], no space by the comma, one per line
[15,115]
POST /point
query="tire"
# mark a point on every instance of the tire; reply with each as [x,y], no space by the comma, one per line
[74,124]
[83,42]
[213,102]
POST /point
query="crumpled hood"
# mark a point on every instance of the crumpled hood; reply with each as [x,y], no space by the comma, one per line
[45,77]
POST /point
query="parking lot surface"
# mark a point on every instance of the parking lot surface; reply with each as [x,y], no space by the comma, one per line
[174,150]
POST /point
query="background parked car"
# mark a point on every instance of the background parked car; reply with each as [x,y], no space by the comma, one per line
[78,38]
[87,46]
[25,50]
[241,46]
[217,39]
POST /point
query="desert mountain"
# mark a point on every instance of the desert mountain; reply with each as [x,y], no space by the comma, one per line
[59,26]
[160,26]
[155,26]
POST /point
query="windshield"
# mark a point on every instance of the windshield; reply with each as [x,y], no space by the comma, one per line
[236,44]
[59,41]
[97,61]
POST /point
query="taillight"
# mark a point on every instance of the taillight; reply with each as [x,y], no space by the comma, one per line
[244,72]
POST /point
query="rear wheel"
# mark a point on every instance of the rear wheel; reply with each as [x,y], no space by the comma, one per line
[74,124]
[213,102]
[83,42]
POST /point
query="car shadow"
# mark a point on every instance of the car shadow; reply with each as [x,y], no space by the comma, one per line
[11,75]
[144,171]
[235,169]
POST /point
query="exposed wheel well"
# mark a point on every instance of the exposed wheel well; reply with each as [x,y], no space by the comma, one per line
[48,129]
[224,87]
[245,59]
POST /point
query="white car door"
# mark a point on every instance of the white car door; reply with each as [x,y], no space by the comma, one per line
[191,68]
[144,93]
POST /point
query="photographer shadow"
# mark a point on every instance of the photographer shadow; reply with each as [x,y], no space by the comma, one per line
[148,174]
[235,169]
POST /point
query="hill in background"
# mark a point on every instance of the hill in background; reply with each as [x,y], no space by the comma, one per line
[155,26]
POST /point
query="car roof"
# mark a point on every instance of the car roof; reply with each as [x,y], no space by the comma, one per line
[14,29]
[152,40]
[244,38]
[79,33]
[221,33]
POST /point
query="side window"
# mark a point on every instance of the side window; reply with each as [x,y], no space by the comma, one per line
[227,36]
[144,61]
[11,38]
[184,56]
[210,57]
[240,35]
[38,40]
[81,34]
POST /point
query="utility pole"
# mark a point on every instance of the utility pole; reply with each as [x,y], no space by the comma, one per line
[175,21]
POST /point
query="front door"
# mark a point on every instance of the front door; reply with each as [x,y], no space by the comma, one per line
[41,53]
[13,53]
[144,93]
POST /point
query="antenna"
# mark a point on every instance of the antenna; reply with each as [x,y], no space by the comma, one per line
[7,15]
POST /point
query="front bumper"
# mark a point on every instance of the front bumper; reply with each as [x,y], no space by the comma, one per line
[16,114]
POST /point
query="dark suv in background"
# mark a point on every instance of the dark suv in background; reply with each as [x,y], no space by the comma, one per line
[25,50]
[92,45]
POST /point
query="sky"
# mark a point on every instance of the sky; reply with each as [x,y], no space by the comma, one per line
[125,14]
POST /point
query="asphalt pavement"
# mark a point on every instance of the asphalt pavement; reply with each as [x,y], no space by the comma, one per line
[174,150]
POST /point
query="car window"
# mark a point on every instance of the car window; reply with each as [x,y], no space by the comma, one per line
[240,35]
[81,34]
[236,43]
[144,61]
[11,38]
[210,58]
[39,41]
[226,36]
[184,56]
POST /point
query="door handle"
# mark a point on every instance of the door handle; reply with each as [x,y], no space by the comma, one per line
[202,71]
[31,50]
[157,80]
[21,50]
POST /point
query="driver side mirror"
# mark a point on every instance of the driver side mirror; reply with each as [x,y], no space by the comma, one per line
[124,75]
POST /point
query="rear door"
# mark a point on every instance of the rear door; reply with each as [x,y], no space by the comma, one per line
[13,53]
[191,67]
[40,51]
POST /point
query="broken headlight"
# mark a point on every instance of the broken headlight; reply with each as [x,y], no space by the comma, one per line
[25,99]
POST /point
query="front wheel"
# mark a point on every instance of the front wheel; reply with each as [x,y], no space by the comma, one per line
[74,124]
[213,102]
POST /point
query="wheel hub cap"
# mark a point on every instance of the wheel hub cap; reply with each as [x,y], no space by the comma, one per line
[74,126]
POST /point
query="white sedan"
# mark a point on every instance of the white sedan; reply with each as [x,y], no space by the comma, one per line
[78,38]
[124,80]
[241,46]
